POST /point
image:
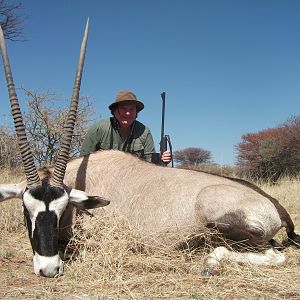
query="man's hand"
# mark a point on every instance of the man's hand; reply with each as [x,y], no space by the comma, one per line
[166,157]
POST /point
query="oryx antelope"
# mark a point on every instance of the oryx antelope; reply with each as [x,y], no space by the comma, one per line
[174,206]
[44,201]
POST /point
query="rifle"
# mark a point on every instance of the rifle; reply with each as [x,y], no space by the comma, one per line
[164,139]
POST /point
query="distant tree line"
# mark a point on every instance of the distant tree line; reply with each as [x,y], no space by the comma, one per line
[267,155]
[199,159]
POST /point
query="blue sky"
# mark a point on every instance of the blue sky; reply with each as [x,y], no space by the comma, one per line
[227,67]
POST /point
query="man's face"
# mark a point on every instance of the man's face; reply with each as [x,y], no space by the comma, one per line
[125,114]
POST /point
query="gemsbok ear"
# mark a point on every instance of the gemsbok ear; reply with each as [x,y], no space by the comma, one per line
[81,200]
[10,191]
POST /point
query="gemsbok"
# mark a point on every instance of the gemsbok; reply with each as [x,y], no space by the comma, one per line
[174,207]
[45,200]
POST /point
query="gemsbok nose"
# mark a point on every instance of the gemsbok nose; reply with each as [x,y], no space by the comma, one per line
[47,266]
[45,273]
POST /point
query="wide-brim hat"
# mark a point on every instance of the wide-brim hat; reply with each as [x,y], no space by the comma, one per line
[127,97]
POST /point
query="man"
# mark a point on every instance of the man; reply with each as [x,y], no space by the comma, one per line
[123,132]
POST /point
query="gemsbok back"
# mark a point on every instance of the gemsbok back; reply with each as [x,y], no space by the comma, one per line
[45,200]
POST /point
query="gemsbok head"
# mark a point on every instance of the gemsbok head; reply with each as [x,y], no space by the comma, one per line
[44,201]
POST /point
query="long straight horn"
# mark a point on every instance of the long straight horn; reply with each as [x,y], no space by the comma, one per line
[63,155]
[26,154]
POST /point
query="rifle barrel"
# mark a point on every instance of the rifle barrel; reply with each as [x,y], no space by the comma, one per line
[163,98]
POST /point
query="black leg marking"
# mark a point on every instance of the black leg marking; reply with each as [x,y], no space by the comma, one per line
[294,239]
[276,245]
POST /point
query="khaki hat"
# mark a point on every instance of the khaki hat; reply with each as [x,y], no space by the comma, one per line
[126,97]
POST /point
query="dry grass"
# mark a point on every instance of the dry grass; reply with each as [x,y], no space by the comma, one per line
[112,263]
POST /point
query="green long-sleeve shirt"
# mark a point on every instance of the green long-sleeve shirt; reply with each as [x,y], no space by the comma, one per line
[105,135]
